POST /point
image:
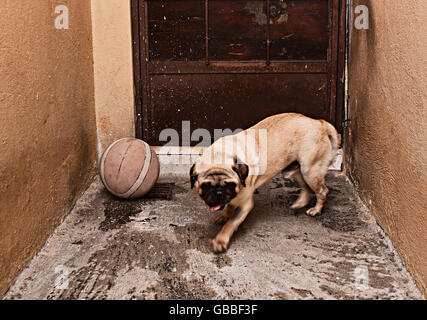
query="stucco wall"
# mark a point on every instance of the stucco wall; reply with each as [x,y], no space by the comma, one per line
[386,150]
[112,50]
[47,123]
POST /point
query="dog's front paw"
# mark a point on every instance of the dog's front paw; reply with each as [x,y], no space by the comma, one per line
[219,244]
[313,211]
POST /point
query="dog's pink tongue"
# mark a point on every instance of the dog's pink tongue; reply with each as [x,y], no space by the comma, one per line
[216,208]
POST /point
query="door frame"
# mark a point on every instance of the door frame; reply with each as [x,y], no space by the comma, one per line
[336,52]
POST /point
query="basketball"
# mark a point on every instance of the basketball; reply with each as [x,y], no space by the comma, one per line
[129,168]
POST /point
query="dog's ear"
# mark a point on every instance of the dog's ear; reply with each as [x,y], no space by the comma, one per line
[193,176]
[242,170]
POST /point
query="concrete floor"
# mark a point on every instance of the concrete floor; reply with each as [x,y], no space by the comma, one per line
[157,249]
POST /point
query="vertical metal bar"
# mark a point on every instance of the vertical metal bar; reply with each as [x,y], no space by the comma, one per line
[137,65]
[333,58]
[207,31]
[347,61]
[267,61]
[148,117]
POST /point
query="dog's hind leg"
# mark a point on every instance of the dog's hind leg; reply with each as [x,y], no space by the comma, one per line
[314,176]
[294,172]
[304,196]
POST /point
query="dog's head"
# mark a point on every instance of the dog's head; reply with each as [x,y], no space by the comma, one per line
[218,185]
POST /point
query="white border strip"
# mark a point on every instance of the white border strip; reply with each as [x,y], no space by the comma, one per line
[142,174]
[102,162]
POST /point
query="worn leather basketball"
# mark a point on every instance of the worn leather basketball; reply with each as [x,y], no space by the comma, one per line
[129,168]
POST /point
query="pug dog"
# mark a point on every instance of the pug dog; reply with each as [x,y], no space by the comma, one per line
[233,167]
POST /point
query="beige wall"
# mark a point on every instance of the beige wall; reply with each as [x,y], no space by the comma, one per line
[112,46]
[386,142]
[47,123]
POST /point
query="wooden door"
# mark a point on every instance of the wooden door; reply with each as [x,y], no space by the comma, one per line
[230,63]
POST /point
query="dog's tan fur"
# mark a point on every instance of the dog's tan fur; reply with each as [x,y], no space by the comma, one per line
[291,138]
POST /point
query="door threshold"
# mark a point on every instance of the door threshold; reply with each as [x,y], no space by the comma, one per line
[161,150]
[175,162]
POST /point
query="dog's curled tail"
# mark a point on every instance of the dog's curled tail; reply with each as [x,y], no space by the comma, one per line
[333,136]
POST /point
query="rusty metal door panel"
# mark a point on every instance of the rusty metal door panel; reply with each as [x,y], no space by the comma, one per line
[230,63]
[176,30]
[233,100]
[237,30]
[299,30]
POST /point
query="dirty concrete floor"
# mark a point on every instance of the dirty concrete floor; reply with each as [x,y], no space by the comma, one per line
[109,248]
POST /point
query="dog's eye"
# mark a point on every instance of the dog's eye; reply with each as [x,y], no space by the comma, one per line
[206,185]
[231,185]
